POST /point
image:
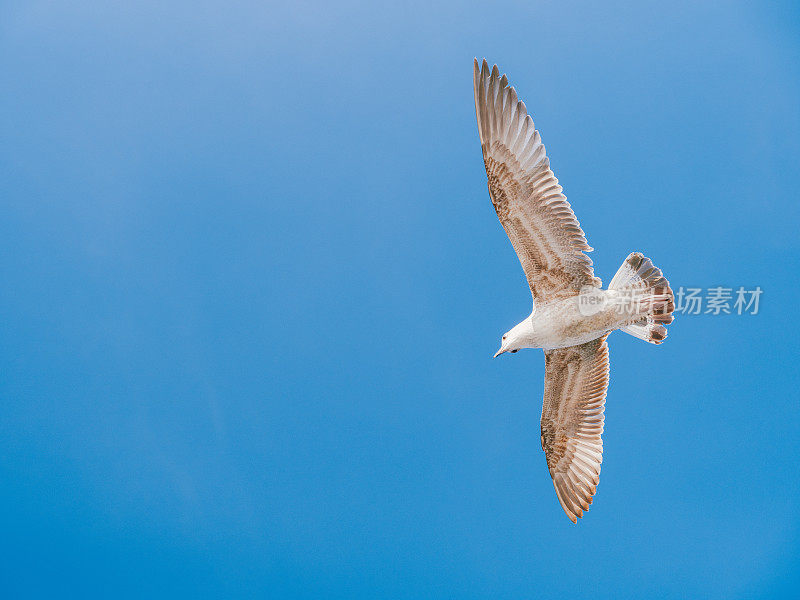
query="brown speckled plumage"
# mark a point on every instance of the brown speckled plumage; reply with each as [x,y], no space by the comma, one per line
[576,379]
[526,195]
[552,250]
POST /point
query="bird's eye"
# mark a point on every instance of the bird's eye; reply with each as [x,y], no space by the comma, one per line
[504,337]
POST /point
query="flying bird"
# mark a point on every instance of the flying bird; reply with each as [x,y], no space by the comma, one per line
[572,315]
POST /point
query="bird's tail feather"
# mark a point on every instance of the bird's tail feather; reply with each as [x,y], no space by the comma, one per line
[652,295]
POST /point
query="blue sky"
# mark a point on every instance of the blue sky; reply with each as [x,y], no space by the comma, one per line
[252,281]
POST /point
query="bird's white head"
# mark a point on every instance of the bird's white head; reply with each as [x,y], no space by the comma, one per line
[515,339]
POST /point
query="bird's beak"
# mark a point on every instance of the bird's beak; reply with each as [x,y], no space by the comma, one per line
[498,353]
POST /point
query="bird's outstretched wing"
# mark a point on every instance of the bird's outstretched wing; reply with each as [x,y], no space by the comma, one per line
[575,384]
[535,214]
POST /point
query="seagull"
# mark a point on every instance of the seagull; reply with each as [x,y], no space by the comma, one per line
[572,315]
